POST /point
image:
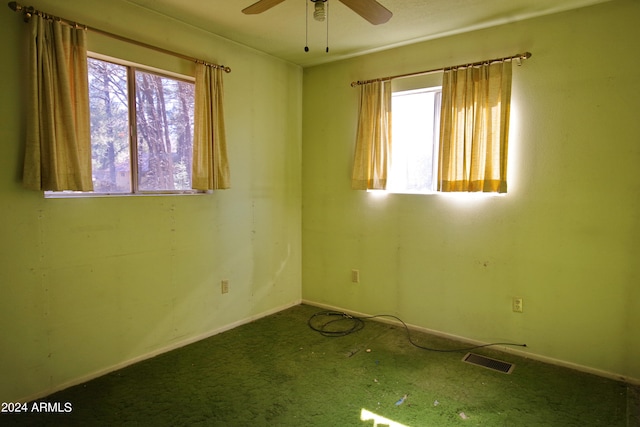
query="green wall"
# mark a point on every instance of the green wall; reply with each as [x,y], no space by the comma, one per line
[565,238]
[87,285]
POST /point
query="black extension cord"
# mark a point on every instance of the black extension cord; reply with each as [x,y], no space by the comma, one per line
[340,324]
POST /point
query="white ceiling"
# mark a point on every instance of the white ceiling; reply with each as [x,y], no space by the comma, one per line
[280,31]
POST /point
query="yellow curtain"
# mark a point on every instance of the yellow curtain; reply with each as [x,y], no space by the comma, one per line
[210,169]
[58,137]
[474,128]
[373,139]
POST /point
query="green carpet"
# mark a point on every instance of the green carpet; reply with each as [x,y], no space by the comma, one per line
[279,372]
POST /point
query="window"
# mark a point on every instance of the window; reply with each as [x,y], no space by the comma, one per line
[415,134]
[141,129]
[400,128]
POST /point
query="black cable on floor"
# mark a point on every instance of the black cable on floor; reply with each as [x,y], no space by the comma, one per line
[339,324]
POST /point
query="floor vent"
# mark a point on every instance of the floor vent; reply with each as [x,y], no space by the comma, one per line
[487,362]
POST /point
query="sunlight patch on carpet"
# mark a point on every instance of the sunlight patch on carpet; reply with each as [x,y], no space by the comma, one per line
[378,419]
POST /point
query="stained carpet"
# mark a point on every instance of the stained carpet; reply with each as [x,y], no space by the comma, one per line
[279,372]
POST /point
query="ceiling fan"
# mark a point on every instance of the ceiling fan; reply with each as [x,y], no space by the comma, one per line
[370,10]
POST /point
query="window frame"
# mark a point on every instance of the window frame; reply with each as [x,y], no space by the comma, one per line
[414,90]
[131,68]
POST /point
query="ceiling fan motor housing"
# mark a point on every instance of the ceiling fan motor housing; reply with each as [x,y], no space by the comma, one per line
[370,10]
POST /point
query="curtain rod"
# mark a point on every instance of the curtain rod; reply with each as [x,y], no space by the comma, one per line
[519,57]
[30,10]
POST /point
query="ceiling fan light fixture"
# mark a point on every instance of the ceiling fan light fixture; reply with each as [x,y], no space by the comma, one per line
[319,11]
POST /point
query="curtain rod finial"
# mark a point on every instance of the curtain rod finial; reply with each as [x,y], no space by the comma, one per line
[17,7]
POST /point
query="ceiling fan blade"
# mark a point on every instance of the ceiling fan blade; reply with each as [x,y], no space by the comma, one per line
[370,10]
[261,6]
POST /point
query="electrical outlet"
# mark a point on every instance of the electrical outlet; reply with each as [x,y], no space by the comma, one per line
[517,304]
[355,276]
[224,286]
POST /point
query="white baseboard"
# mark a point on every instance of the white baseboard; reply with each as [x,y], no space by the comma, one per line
[154,353]
[518,352]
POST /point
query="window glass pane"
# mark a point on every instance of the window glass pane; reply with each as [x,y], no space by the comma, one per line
[415,135]
[110,154]
[164,110]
